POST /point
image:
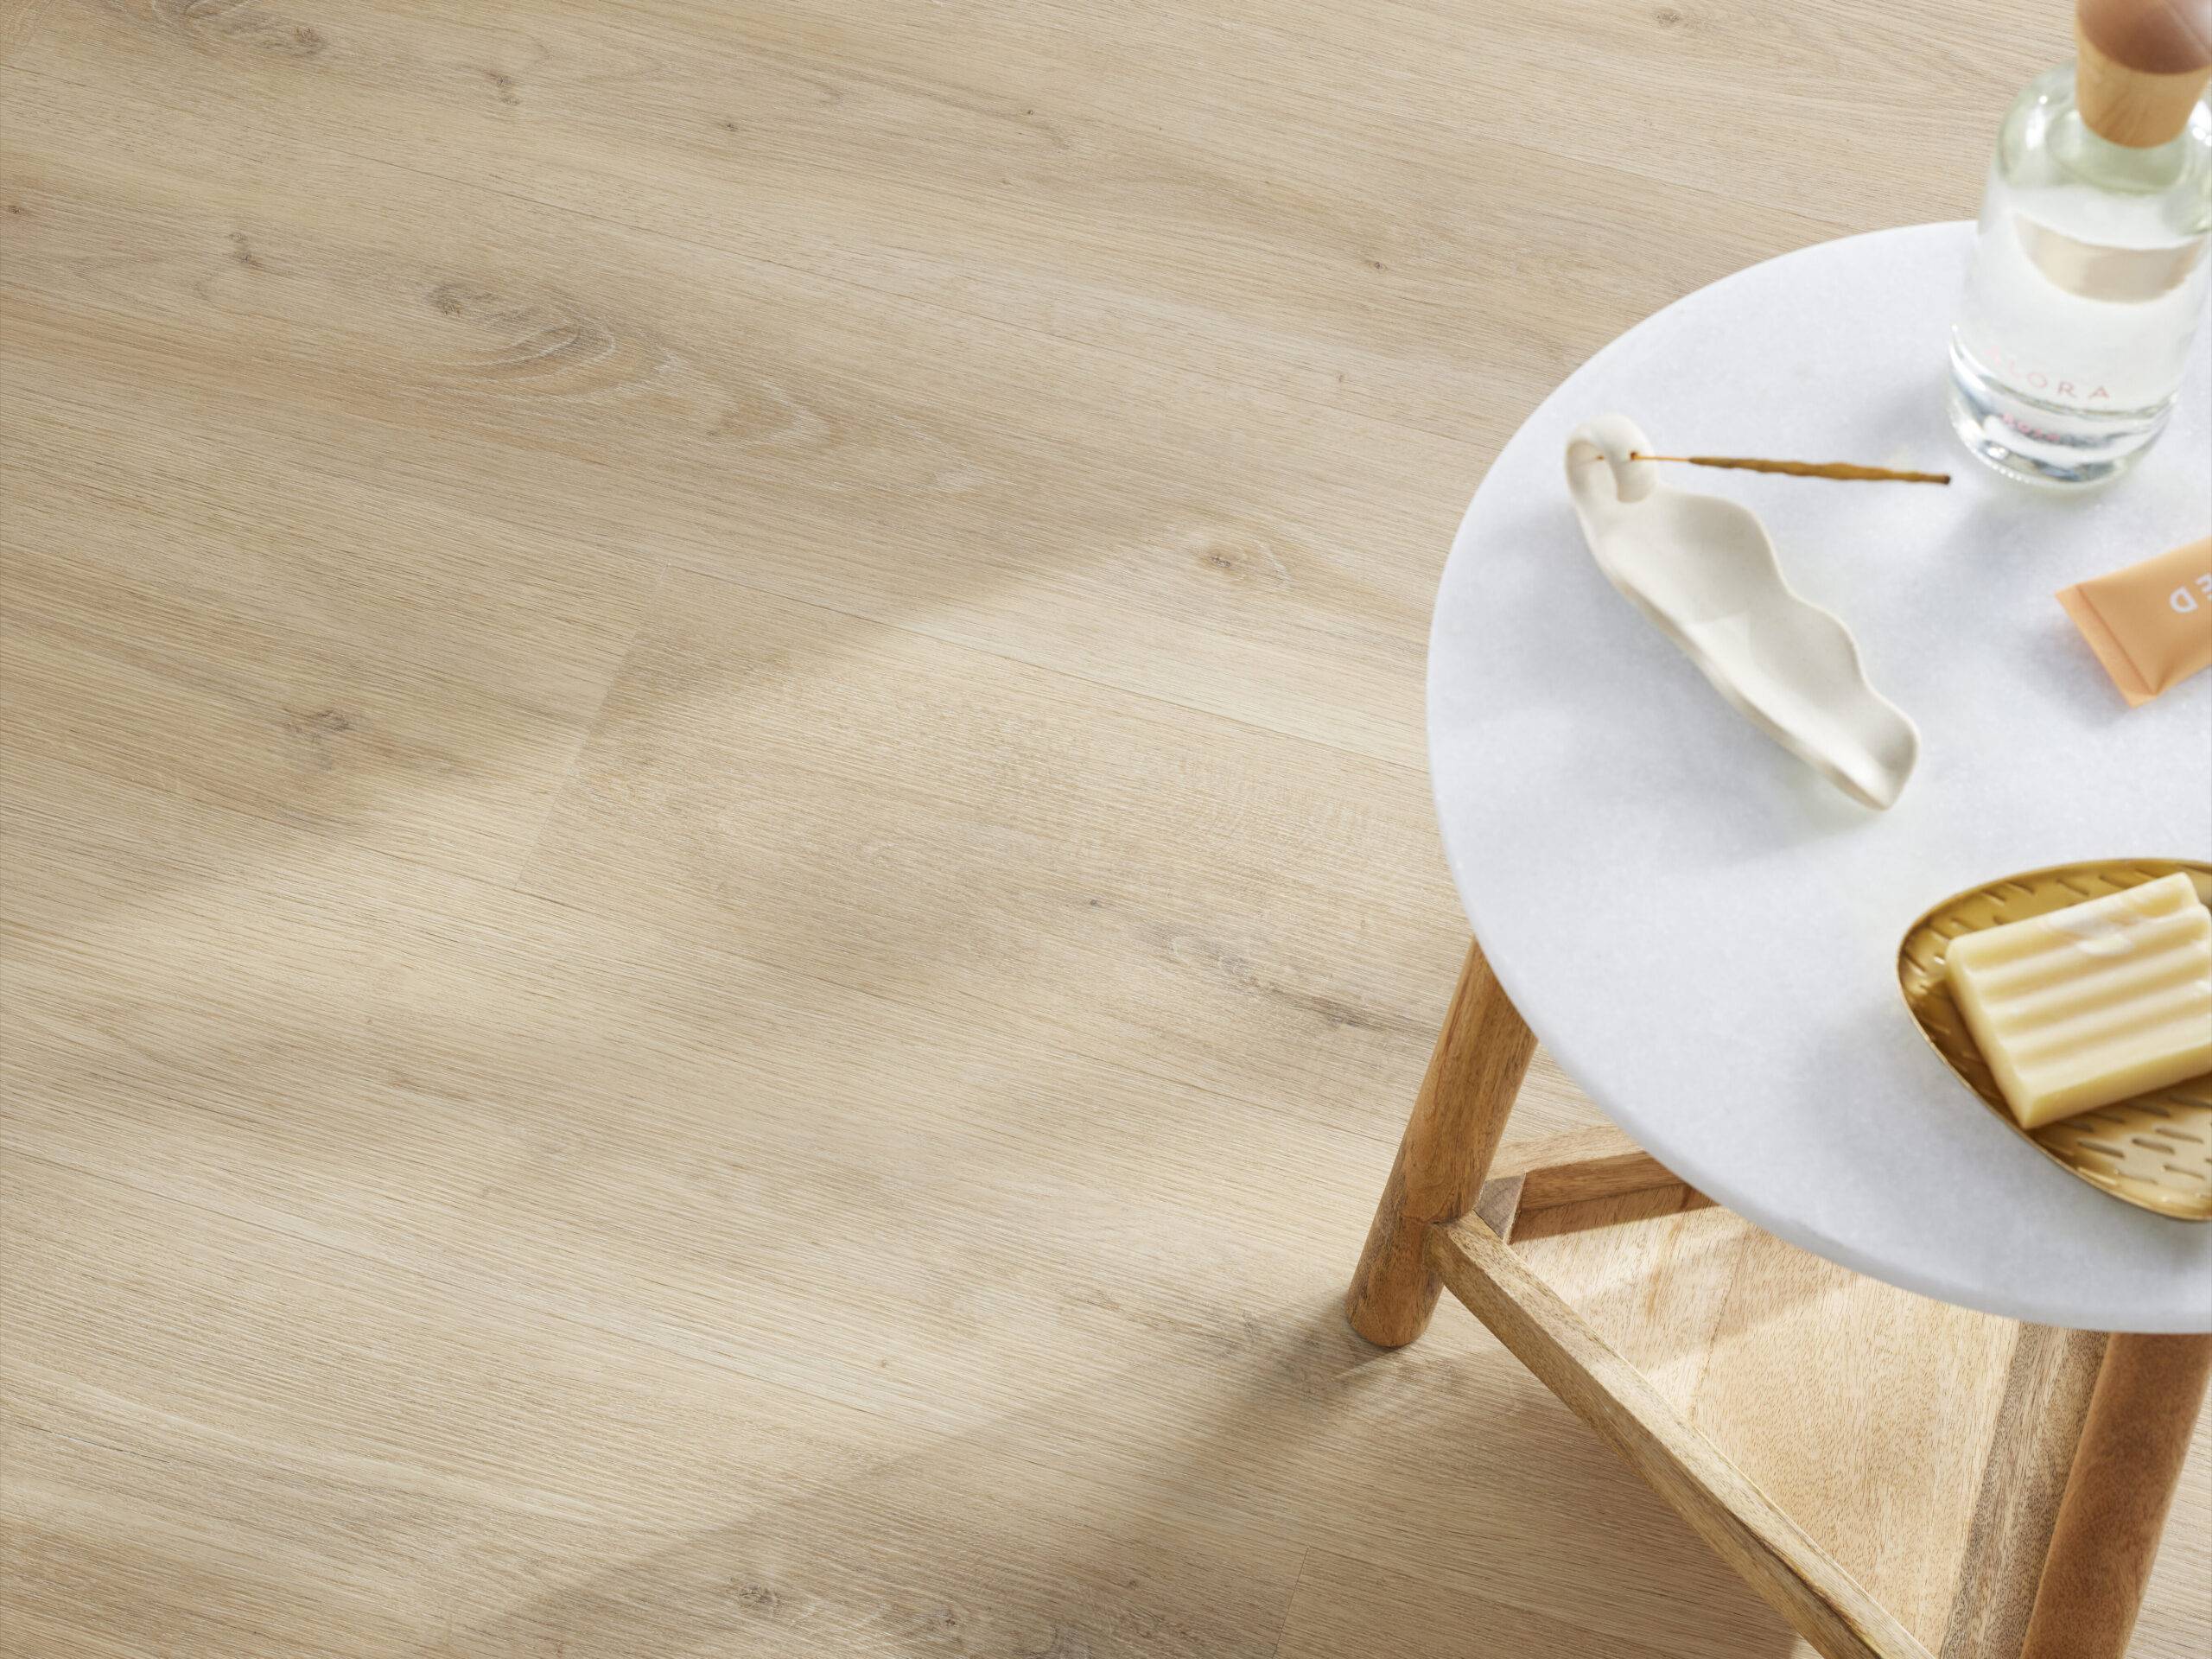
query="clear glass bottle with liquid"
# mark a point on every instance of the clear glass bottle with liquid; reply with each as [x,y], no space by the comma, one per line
[2094,257]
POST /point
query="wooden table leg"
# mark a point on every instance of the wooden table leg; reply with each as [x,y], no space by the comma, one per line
[1473,1075]
[2125,1470]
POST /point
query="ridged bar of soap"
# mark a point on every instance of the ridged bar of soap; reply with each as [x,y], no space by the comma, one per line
[2088,1005]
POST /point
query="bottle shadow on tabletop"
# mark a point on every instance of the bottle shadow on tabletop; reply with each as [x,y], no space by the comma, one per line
[2006,540]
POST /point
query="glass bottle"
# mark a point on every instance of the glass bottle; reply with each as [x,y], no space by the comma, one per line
[2095,256]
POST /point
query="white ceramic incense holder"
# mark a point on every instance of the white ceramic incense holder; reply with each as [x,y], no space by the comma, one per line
[1703,568]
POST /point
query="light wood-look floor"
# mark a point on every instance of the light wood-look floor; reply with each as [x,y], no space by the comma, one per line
[719,897]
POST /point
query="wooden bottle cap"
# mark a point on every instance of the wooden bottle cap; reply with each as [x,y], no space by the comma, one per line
[2142,66]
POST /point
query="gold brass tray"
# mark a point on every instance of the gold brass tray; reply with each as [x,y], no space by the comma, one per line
[2154,1150]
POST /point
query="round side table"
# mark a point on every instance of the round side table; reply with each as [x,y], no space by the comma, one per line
[1703,931]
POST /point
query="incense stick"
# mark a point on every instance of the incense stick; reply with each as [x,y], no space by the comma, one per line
[1803,468]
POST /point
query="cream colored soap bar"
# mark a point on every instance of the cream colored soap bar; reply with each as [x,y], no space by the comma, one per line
[2088,1005]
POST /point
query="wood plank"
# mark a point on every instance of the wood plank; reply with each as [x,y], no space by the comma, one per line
[936,1221]
[1881,1441]
[1649,1270]
[1927,1450]
[853,803]
[327,353]
[1909,98]
[2047,1389]
[1578,1165]
[321,651]
[1567,1179]
[1170,187]
[393,1263]
[1774,1554]
[413,1469]
[866,453]
[19,20]
[420,1069]
[1433,1612]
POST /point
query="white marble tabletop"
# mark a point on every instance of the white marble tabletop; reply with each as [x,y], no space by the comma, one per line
[1703,931]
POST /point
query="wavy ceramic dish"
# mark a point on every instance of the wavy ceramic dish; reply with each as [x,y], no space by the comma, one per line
[1703,569]
[2155,1150]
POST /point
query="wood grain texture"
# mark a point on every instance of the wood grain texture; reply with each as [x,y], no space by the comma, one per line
[854,801]
[451,392]
[1436,1611]
[578,1122]
[1868,1412]
[991,157]
[591,594]
[1910,1440]
[1651,1271]
[1459,1118]
[260,635]
[1924,1447]
[2047,1389]
[2126,1465]
[432,1453]
[1580,1164]
[688,405]
[1773,1555]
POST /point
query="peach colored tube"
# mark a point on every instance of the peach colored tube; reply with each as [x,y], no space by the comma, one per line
[2151,625]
